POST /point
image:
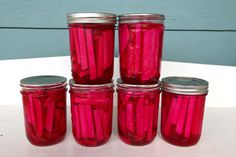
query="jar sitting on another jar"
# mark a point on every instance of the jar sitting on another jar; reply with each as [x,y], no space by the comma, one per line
[92,47]
[140,47]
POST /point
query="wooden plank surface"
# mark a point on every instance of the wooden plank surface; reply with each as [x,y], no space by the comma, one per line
[181,14]
[187,46]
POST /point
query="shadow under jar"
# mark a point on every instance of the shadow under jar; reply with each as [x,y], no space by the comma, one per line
[91,110]
[140,47]
[92,47]
[137,112]
[183,101]
[44,104]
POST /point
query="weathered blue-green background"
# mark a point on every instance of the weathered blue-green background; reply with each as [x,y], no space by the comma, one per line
[198,31]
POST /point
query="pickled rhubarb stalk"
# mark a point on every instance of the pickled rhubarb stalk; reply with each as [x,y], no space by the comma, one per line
[76,44]
[140,117]
[31,112]
[198,116]
[147,54]
[172,110]
[150,122]
[145,119]
[100,58]
[105,123]
[57,116]
[90,122]
[105,37]
[181,116]
[98,125]
[49,117]
[130,55]
[122,119]
[189,117]
[130,117]
[39,117]
[110,48]
[76,120]
[83,122]
[83,49]
[137,49]
[91,57]
[123,41]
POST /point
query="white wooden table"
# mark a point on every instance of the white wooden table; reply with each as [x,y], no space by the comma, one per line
[218,139]
[219,129]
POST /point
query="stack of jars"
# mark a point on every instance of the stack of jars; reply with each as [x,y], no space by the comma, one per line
[92,58]
[140,49]
[91,89]
[92,52]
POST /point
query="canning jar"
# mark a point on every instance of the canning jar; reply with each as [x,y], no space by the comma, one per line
[140,47]
[92,47]
[91,110]
[44,104]
[137,112]
[183,101]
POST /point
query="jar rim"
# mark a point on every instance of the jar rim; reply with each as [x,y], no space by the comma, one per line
[98,86]
[43,81]
[91,18]
[185,85]
[121,84]
[141,16]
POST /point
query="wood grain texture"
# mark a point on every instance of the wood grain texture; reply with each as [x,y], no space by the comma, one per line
[181,14]
[196,47]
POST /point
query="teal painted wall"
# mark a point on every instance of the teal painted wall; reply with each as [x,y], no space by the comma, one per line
[202,31]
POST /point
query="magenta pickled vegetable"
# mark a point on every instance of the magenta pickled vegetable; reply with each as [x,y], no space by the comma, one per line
[92,47]
[183,103]
[44,104]
[91,109]
[137,112]
[140,47]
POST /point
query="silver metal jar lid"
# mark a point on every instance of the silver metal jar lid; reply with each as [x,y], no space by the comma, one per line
[91,18]
[185,85]
[43,81]
[85,86]
[144,17]
[149,86]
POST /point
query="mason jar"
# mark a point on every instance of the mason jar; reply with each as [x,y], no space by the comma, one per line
[182,110]
[92,47]
[44,104]
[140,47]
[91,110]
[137,112]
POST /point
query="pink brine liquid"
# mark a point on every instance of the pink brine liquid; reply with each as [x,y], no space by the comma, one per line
[91,116]
[137,116]
[181,118]
[140,47]
[45,115]
[92,52]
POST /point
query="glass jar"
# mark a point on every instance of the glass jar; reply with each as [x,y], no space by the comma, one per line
[92,47]
[91,110]
[183,101]
[140,47]
[44,104]
[137,112]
